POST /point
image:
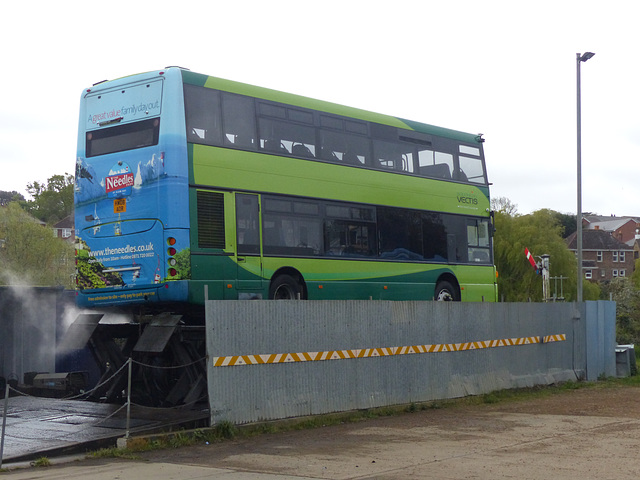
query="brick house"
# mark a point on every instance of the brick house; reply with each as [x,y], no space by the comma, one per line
[603,256]
[65,229]
[621,228]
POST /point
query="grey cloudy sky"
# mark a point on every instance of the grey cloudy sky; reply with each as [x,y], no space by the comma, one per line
[502,68]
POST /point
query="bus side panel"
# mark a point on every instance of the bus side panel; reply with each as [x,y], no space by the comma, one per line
[328,279]
[212,268]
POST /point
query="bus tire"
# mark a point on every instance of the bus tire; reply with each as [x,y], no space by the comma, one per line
[285,287]
[446,292]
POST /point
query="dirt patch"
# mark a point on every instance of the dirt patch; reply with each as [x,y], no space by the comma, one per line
[583,433]
[606,401]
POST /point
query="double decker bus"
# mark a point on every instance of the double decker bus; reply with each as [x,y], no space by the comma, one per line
[189,186]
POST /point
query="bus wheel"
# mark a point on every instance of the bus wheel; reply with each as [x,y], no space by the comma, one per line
[285,287]
[445,292]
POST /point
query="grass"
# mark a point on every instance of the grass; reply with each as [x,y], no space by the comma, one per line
[531,393]
[220,432]
[226,430]
[41,462]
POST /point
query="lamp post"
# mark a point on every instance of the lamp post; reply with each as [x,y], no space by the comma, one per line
[580,57]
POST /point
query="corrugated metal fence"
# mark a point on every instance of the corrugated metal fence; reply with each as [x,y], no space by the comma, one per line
[273,360]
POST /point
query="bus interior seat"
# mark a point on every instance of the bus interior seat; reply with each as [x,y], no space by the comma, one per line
[275,146]
[351,159]
[440,170]
[390,163]
[399,164]
[329,154]
[243,141]
[460,175]
[301,150]
[273,237]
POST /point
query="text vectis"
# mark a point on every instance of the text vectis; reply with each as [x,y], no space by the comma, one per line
[468,200]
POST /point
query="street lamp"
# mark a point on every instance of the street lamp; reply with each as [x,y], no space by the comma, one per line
[580,57]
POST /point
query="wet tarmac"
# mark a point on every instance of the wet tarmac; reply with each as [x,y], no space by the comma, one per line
[46,427]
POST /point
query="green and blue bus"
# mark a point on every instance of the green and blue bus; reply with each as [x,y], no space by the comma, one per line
[190,186]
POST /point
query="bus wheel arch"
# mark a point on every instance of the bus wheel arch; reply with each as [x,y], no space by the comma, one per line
[287,284]
[447,289]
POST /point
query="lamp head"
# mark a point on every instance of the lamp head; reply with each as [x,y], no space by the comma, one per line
[585,56]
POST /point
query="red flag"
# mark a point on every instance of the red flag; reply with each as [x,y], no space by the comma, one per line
[530,258]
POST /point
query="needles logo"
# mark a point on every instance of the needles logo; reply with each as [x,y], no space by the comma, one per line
[120,181]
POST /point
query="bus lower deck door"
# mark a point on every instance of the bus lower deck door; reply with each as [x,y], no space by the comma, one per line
[249,258]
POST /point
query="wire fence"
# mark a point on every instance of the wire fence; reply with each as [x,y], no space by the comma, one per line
[112,379]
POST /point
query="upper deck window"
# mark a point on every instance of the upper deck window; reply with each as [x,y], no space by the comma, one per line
[123,137]
[202,107]
[471,167]
[235,121]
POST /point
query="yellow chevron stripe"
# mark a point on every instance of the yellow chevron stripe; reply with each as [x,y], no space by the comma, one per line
[261,359]
[554,338]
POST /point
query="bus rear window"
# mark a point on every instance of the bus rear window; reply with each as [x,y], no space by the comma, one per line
[123,137]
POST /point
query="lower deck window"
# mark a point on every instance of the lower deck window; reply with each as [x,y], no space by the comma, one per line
[350,239]
[306,228]
[291,236]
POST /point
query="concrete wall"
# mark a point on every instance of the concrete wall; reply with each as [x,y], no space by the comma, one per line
[272,360]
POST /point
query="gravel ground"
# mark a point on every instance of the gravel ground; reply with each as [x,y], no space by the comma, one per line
[583,433]
[577,434]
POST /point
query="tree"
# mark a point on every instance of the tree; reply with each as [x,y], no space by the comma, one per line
[542,233]
[504,205]
[30,254]
[568,222]
[635,276]
[51,202]
[627,298]
[13,196]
